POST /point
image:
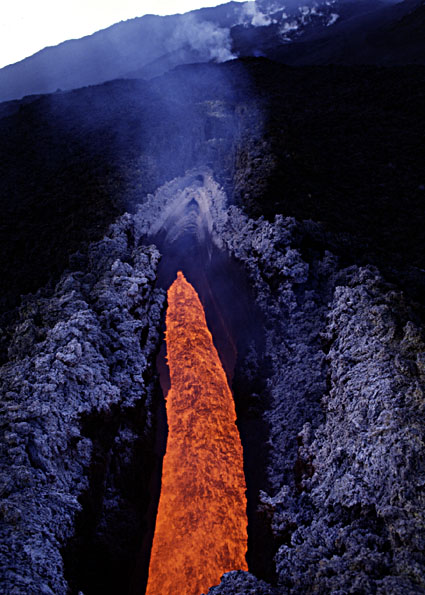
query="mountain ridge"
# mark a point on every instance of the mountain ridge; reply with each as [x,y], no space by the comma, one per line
[150,45]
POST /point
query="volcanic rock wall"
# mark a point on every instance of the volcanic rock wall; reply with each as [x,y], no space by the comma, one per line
[78,420]
[344,355]
[358,521]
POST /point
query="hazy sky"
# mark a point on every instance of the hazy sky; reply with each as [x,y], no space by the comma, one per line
[27,26]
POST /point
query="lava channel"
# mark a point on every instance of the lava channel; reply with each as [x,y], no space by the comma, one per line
[201,526]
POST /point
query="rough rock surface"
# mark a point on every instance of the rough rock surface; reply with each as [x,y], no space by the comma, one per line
[84,354]
[292,295]
[166,211]
[361,524]
[341,376]
[346,380]
[242,583]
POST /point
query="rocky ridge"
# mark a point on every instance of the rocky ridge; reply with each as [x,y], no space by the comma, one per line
[80,358]
[344,353]
[366,527]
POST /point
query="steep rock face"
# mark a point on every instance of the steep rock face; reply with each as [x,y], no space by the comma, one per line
[78,415]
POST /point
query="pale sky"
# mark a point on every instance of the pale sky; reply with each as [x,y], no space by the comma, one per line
[27,26]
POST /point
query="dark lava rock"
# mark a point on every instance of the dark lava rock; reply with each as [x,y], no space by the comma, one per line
[346,387]
[338,378]
[338,145]
[80,360]
[243,583]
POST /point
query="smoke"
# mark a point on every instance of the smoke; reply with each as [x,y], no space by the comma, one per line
[255,17]
[292,16]
[333,19]
[210,41]
[289,13]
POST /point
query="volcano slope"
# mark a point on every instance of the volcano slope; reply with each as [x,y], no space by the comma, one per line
[312,182]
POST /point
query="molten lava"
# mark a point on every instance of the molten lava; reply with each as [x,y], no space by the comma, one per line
[201,527]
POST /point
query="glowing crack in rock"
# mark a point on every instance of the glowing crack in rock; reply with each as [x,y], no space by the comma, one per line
[201,526]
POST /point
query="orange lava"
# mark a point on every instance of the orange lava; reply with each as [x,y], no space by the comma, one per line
[201,527]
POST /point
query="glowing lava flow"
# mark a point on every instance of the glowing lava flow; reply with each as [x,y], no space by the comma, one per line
[201,527]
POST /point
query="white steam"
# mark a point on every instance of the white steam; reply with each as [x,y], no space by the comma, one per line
[252,15]
[209,41]
[206,39]
[333,19]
